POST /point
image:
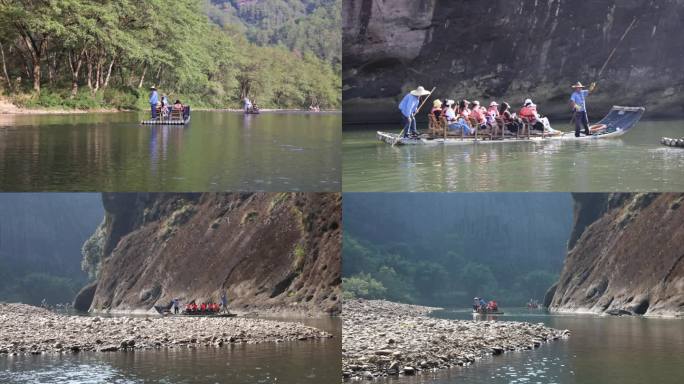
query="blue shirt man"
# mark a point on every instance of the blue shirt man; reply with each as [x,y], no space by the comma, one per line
[578,102]
[579,98]
[154,99]
[408,107]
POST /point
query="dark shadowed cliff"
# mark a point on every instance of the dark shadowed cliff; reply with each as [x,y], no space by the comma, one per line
[269,251]
[510,50]
[627,255]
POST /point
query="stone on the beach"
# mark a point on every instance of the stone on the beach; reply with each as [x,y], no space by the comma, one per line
[409,370]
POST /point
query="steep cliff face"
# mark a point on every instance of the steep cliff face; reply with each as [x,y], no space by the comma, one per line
[267,251]
[627,258]
[511,50]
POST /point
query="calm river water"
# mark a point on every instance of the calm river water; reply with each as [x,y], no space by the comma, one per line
[217,151]
[282,363]
[634,162]
[606,350]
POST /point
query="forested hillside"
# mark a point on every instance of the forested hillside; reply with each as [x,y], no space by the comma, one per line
[41,235]
[91,54]
[301,25]
[444,249]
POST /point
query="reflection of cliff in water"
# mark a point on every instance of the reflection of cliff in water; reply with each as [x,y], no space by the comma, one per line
[511,50]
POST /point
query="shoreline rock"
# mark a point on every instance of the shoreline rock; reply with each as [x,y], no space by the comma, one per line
[383,339]
[26,329]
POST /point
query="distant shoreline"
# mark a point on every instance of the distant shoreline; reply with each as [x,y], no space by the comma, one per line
[7,108]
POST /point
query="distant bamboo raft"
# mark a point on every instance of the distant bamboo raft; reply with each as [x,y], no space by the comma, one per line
[672,142]
[177,117]
[166,122]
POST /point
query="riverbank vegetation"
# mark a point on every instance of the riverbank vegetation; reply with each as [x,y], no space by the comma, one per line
[91,54]
[446,249]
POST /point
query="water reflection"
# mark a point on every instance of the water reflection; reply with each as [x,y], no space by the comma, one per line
[278,363]
[607,350]
[216,151]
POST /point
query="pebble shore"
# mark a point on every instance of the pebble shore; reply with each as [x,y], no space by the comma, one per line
[26,329]
[383,339]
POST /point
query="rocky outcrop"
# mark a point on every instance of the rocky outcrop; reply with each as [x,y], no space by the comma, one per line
[274,252]
[84,297]
[382,338]
[627,257]
[30,330]
[511,50]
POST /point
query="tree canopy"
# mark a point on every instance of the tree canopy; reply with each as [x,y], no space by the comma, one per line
[117,49]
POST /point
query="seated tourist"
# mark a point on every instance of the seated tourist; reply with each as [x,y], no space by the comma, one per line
[492,113]
[529,114]
[510,120]
[436,108]
[455,123]
[177,106]
[463,109]
[478,114]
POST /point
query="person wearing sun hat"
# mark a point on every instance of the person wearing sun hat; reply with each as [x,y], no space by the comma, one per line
[154,100]
[436,108]
[408,107]
[578,103]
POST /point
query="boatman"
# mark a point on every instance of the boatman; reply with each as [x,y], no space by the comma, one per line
[578,104]
[408,107]
[154,100]
[248,104]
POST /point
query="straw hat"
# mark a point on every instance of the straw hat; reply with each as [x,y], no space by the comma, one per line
[528,102]
[437,103]
[450,102]
[476,102]
[153,87]
[493,104]
[577,85]
[420,91]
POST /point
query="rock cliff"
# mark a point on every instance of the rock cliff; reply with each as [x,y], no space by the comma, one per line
[511,50]
[625,256]
[268,251]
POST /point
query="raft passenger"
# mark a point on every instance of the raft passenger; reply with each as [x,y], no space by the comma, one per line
[478,114]
[436,108]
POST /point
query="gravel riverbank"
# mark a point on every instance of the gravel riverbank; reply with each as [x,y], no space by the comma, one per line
[25,329]
[381,338]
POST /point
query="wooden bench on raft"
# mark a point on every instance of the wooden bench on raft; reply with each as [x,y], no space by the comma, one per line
[438,127]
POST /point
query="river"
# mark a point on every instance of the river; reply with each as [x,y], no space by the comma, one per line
[606,350]
[282,363]
[633,162]
[216,151]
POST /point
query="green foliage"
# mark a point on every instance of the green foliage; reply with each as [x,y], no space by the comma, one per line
[35,287]
[249,217]
[445,249]
[93,251]
[363,286]
[300,25]
[299,258]
[174,46]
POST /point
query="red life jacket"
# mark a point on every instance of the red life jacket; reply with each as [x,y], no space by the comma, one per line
[529,112]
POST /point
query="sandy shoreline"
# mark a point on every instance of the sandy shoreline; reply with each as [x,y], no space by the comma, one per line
[25,329]
[382,339]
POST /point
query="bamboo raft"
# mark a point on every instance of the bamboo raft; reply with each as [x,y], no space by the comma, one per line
[616,123]
[672,142]
[176,117]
